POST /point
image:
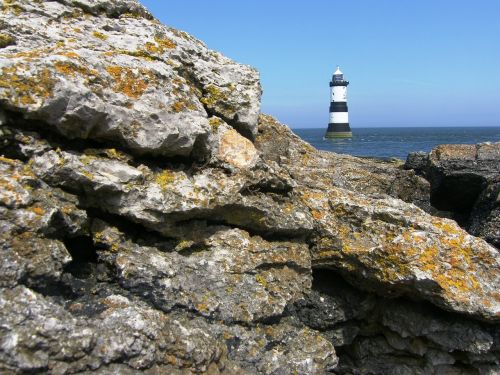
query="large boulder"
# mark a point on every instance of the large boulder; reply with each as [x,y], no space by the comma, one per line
[108,71]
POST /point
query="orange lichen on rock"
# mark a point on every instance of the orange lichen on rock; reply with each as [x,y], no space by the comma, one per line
[165,43]
[129,82]
[237,150]
[182,105]
[160,45]
[25,90]
[69,54]
[71,69]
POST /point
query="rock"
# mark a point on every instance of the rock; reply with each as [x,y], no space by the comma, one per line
[149,90]
[324,170]
[362,232]
[34,219]
[484,219]
[394,335]
[233,277]
[152,198]
[417,161]
[465,181]
[237,150]
[129,333]
[393,248]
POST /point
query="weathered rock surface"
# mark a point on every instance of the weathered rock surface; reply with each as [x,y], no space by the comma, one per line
[386,245]
[380,336]
[465,181]
[232,276]
[121,78]
[152,222]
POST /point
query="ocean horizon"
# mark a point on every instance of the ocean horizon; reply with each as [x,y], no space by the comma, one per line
[397,142]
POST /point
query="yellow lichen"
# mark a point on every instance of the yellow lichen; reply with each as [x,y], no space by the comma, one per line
[151,47]
[165,43]
[87,174]
[98,236]
[11,6]
[184,244]
[182,105]
[215,122]
[6,40]
[213,96]
[9,161]
[261,280]
[143,54]
[202,307]
[99,35]
[164,179]
[25,90]
[113,153]
[130,15]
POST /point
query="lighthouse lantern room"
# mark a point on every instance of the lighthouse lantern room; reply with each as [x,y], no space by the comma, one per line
[338,126]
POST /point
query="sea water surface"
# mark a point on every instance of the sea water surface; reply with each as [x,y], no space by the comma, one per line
[397,142]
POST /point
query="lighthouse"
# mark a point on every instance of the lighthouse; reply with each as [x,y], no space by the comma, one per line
[339,120]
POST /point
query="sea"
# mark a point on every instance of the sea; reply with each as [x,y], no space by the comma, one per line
[397,142]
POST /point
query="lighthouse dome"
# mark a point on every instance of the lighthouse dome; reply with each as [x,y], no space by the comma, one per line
[338,76]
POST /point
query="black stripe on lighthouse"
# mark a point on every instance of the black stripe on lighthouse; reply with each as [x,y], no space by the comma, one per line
[341,127]
[338,107]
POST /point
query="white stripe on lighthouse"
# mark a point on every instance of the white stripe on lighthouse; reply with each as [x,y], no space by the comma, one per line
[339,117]
[339,94]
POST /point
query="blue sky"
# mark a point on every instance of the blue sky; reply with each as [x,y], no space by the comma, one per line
[410,63]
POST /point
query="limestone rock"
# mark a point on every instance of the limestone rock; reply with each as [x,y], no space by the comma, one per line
[465,181]
[107,71]
[232,276]
[152,198]
[237,150]
[378,242]
[394,248]
[324,170]
[376,335]
[34,219]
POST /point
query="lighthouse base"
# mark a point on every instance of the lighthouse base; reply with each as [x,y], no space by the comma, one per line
[338,131]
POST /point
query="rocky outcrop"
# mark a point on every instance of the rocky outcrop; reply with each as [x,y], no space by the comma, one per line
[395,336]
[204,238]
[465,185]
[122,78]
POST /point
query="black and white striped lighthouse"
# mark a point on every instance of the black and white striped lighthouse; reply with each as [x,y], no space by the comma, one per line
[339,119]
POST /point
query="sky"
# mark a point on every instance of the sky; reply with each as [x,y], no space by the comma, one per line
[409,63]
